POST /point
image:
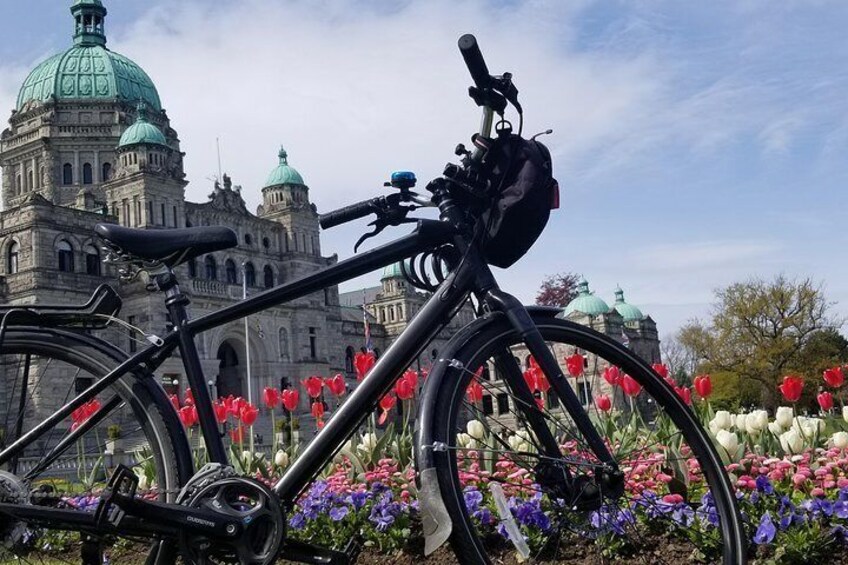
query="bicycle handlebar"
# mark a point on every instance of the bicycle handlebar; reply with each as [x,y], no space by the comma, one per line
[349,213]
[474,60]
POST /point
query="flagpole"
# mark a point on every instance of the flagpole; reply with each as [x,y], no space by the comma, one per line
[246,333]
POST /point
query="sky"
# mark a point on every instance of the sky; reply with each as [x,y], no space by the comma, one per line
[696,144]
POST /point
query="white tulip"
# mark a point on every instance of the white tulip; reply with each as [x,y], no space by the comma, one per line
[784,416]
[476,429]
[368,443]
[845,413]
[740,422]
[517,443]
[728,441]
[775,428]
[714,429]
[465,441]
[756,422]
[840,440]
[281,459]
[722,420]
[143,483]
[791,441]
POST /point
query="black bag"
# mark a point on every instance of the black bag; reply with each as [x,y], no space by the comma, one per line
[524,192]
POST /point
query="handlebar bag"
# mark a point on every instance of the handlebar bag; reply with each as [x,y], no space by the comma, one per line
[524,192]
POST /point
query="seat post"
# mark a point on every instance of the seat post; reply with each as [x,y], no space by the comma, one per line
[176,303]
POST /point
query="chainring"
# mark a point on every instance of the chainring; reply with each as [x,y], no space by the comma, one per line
[12,491]
[257,508]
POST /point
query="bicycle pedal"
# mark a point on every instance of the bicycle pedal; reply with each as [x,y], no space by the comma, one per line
[123,482]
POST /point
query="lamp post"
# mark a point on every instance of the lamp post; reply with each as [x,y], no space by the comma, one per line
[246,333]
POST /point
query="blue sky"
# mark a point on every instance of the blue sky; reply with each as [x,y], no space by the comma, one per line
[696,143]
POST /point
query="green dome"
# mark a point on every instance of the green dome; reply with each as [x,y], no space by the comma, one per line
[88,70]
[142,131]
[586,302]
[283,173]
[391,271]
[627,311]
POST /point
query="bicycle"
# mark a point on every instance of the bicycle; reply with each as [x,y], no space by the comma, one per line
[566,472]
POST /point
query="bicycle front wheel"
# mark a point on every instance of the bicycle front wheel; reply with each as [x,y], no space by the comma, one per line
[665,497]
[130,423]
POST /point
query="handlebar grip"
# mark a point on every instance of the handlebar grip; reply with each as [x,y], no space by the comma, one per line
[348,213]
[474,60]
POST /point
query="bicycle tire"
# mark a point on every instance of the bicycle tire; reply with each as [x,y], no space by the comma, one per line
[143,406]
[473,541]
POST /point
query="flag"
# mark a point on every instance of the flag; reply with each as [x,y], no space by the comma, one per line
[369,347]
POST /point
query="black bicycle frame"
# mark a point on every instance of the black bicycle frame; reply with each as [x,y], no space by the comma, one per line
[471,275]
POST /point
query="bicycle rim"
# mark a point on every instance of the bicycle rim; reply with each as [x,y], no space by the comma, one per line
[38,375]
[676,505]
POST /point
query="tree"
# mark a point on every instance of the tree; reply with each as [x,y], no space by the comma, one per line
[557,290]
[681,360]
[759,330]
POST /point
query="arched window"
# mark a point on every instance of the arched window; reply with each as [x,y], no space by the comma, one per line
[67,174]
[211,268]
[30,179]
[266,243]
[248,239]
[12,263]
[87,175]
[106,172]
[349,355]
[92,260]
[269,276]
[230,268]
[249,275]
[19,187]
[192,268]
[66,257]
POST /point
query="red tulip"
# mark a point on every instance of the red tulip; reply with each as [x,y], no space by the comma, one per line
[411,377]
[530,379]
[220,411]
[474,391]
[290,398]
[318,410]
[271,396]
[248,414]
[660,369]
[404,389]
[234,405]
[574,364]
[703,385]
[630,386]
[336,385]
[237,434]
[363,362]
[603,403]
[189,397]
[175,401]
[386,404]
[791,388]
[542,381]
[313,385]
[685,393]
[188,415]
[612,375]
[834,377]
[825,400]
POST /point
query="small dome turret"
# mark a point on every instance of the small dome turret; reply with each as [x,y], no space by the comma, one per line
[628,312]
[392,271]
[586,302]
[142,132]
[283,173]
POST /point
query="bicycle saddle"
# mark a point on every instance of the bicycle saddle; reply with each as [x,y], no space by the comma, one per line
[171,246]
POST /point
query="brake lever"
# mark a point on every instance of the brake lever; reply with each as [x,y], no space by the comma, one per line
[391,214]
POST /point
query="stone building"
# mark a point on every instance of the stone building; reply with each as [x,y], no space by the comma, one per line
[89,141]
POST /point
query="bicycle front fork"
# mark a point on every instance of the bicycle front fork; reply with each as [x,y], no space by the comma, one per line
[520,319]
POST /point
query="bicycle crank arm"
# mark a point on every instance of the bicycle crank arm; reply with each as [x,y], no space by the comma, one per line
[119,507]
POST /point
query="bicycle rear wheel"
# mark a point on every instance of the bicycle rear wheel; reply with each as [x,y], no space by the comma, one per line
[40,371]
[671,502]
